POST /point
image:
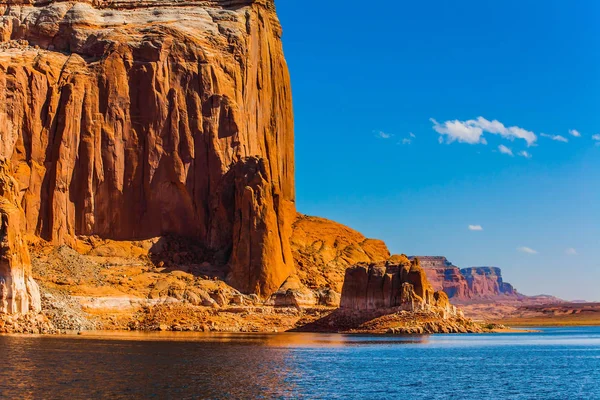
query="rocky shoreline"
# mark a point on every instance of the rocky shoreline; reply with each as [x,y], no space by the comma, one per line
[185,318]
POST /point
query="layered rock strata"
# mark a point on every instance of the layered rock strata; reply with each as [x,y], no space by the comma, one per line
[468,283]
[445,276]
[398,284]
[487,281]
[131,120]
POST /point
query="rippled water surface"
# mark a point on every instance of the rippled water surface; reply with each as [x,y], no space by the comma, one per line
[562,363]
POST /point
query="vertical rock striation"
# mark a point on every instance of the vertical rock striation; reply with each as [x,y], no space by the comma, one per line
[475,283]
[445,276]
[395,284]
[487,281]
[136,119]
[19,293]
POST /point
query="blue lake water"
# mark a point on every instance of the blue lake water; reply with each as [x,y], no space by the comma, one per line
[557,363]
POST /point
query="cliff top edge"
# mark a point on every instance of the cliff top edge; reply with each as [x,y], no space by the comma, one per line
[129,4]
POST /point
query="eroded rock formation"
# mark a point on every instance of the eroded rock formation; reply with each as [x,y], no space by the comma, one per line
[487,281]
[475,283]
[324,249]
[445,276]
[19,293]
[130,120]
[400,284]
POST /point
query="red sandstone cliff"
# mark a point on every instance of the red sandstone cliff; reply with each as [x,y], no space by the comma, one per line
[468,283]
[19,293]
[134,119]
[487,281]
[445,276]
[395,284]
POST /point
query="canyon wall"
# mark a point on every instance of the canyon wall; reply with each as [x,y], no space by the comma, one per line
[398,283]
[135,119]
[467,283]
[486,281]
[19,293]
[445,276]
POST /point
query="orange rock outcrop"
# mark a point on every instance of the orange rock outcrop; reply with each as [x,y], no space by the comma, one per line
[324,249]
[396,284]
[19,293]
[136,119]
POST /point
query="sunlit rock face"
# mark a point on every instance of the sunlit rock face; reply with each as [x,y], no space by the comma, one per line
[445,276]
[466,284]
[135,119]
[397,284]
[487,281]
[19,293]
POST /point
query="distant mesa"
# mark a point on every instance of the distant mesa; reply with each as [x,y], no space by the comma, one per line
[474,283]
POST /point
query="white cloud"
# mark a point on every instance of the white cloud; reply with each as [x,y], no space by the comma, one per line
[475,228]
[383,135]
[471,131]
[557,138]
[412,135]
[527,250]
[596,137]
[405,141]
[464,132]
[525,154]
[571,251]
[505,150]
[575,133]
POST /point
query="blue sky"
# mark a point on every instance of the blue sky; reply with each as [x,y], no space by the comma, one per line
[415,120]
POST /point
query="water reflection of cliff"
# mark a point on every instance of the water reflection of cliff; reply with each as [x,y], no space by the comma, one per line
[167,365]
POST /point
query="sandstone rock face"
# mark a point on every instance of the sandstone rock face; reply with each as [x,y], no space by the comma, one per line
[386,285]
[19,293]
[324,249]
[131,120]
[293,294]
[466,284]
[487,281]
[445,276]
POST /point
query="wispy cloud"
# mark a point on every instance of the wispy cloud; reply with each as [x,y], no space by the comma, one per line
[525,154]
[505,150]
[471,131]
[412,135]
[556,138]
[405,141]
[575,133]
[596,138]
[383,135]
[527,250]
[475,228]
[571,251]
[463,132]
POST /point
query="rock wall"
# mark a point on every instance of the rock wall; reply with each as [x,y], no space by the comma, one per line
[19,293]
[487,281]
[324,249]
[136,119]
[467,283]
[445,276]
[398,283]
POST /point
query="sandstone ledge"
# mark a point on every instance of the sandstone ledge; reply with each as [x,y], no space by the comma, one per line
[392,321]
